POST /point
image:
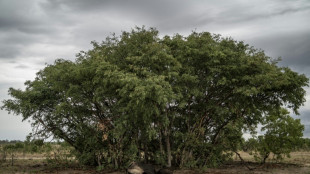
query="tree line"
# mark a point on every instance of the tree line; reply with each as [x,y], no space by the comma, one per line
[10,141]
[171,100]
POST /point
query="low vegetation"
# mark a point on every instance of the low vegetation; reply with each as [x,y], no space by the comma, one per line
[55,157]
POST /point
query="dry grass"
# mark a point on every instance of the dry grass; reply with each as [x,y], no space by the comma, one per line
[35,163]
[22,166]
[301,158]
[38,166]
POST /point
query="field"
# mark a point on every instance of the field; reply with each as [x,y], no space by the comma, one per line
[37,163]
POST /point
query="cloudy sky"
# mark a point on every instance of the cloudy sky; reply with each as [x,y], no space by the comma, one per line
[36,32]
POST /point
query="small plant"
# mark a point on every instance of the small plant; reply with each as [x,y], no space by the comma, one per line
[283,135]
[3,154]
[11,149]
[60,156]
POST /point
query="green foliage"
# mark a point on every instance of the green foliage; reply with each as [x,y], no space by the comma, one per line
[304,144]
[282,135]
[60,156]
[12,149]
[142,97]
[39,142]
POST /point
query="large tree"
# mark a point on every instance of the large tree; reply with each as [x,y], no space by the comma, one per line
[170,100]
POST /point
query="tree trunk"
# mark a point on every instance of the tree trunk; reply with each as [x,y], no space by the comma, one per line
[265,157]
[183,158]
[169,158]
[161,144]
[12,159]
[146,155]
[115,163]
[4,156]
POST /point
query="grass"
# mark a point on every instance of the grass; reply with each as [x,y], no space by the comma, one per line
[22,166]
[297,158]
[36,163]
[37,166]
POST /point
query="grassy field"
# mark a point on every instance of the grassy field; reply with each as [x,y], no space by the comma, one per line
[36,163]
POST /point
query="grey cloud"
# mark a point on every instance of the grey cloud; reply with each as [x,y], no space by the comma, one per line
[22,66]
[292,47]
[11,23]
[39,29]
[27,17]
[15,14]
[9,51]
[147,12]
[307,131]
[13,44]
[253,10]
[290,10]
[166,15]
[12,127]
[4,87]
[20,134]
[156,8]
[304,116]
[253,15]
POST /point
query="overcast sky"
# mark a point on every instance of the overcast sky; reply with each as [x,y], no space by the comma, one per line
[36,32]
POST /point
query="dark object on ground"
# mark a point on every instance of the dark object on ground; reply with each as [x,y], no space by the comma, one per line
[164,171]
[141,168]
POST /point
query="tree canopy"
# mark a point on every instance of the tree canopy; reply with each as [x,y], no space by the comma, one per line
[171,100]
